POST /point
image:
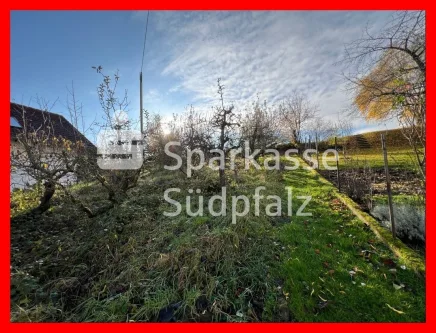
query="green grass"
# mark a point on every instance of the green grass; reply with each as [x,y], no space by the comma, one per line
[131,262]
[394,139]
[412,200]
[321,251]
[398,158]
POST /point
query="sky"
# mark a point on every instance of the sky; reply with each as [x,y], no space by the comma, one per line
[255,53]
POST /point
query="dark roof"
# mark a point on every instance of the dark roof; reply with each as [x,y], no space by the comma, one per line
[38,120]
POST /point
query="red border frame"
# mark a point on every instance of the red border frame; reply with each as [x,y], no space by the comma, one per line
[198,4]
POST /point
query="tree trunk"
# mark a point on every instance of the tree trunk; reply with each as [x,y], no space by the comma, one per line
[44,205]
[222,177]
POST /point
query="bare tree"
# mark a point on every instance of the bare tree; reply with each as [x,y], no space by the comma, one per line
[387,73]
[226,121]
[54,161]
[343,127]
[295,114]
[195,130]
[157,139]
[117,182]
[405,33]
[320,129]
[259,125]
[45,158]
[414,127]
[75,109]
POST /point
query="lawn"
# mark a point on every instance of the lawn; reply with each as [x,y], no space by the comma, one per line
[134,264]
[398,158]
[334,268]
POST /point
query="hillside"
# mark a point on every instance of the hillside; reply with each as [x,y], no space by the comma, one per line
[371,140]
[134,264]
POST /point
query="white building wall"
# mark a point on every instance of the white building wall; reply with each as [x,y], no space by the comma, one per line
[21,180]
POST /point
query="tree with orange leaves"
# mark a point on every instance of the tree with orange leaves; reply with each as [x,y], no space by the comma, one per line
[387,73]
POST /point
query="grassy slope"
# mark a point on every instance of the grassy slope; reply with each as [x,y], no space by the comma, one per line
[321,251]
[394,139]
[398,158]
[400,153]
[131,262]
[128,264]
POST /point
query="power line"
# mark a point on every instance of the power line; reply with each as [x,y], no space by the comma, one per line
[141,116]
[145,40]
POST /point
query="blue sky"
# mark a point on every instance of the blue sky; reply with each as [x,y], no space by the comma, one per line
[255,53]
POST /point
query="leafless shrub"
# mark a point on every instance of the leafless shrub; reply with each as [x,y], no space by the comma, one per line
[116,182]
[259,125]
[357,183]
[225,120]
[295,113]
[46,159]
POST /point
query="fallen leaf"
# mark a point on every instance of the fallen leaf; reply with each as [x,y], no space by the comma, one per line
[388,262]
[398,286]
[330,292]
[393,309]
[356,269]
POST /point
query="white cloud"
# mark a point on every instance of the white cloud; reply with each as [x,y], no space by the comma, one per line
[265,53]
[380,126]
[152,96]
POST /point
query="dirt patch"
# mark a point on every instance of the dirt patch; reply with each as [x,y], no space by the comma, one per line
[402,181]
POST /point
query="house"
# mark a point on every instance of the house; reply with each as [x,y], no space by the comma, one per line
[34,120]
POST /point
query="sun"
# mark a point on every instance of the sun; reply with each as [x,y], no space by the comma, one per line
[166,129]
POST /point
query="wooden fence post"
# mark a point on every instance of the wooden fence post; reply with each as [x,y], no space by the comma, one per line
[337,164]
[388,186]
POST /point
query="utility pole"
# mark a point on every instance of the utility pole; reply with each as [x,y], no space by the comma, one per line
[140,105]
[317,152]
[388,186]
[337,164]
[141,109]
